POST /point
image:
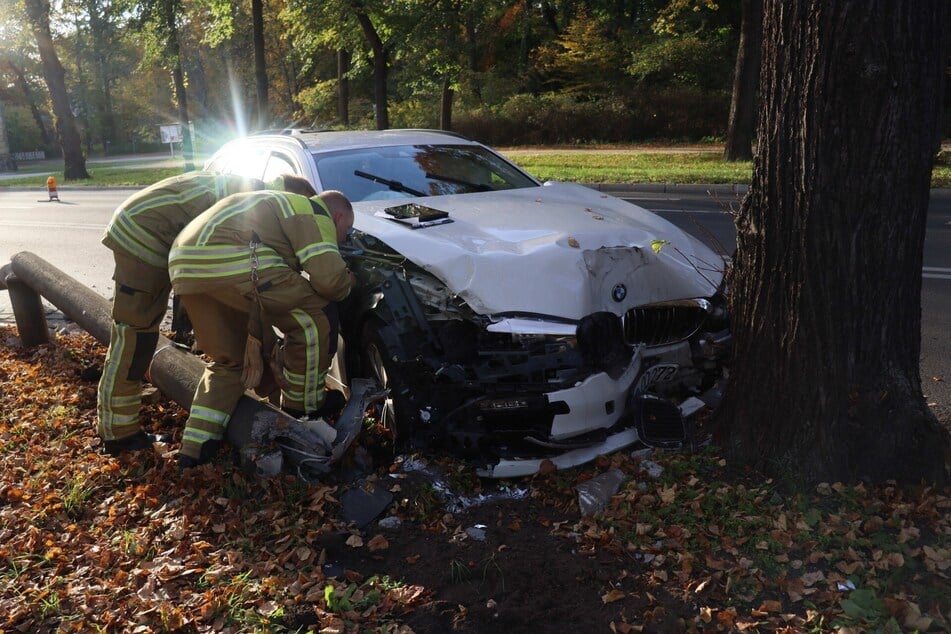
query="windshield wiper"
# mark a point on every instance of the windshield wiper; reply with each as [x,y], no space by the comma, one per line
[479,187]
[393,185]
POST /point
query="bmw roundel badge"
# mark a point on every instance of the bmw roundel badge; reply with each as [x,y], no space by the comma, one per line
[619,292]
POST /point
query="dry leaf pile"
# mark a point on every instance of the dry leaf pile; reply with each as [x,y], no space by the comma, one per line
[90,542]
[95,543]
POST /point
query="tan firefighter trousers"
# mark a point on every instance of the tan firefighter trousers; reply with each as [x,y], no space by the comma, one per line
[220,320]
[140,304]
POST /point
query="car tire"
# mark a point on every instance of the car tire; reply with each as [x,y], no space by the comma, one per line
[377,364]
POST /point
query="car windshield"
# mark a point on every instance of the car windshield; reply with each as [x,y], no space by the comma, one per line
[416,170]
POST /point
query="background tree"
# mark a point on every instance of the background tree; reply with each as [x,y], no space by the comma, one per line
[102,27]
[583,59]
[38,17]
[89,36]
[158,20]
[740,128]
[260,63]
[7,164]
[166,22]
[21,85]
[826,289]
[381,63]
[343,86]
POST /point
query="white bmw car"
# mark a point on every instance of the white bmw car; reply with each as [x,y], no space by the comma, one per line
[511,320]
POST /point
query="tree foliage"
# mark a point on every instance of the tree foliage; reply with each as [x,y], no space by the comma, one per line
[135,64]
[582,58]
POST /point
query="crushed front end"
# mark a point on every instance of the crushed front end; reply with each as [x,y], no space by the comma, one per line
[511,390]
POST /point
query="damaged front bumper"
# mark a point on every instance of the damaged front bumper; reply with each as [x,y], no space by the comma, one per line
[645,418]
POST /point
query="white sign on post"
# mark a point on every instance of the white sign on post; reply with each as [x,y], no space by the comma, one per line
[171,134]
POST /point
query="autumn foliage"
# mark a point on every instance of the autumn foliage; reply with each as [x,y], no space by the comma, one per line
[90,542]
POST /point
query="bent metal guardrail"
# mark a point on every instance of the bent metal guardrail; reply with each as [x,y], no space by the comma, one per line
[268,440]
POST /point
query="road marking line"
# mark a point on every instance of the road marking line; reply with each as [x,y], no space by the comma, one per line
[657,210]
[59,225]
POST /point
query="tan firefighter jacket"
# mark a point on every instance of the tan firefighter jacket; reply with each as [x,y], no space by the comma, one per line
[145,225]
[278,229]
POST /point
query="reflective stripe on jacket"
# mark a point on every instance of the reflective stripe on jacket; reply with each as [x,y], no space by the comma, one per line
[145,225]
[288,231]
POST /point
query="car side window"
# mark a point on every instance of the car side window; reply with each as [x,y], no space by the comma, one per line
[247,161]
[218,165]
[278,164]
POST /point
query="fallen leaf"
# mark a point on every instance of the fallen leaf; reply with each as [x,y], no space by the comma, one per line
[771,606]
[614,595]
[354,541]
[377,543]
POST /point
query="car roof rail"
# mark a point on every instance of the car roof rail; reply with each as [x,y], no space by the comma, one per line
[434,130]
[285,131]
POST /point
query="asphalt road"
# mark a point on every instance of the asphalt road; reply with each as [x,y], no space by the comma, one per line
[67,234]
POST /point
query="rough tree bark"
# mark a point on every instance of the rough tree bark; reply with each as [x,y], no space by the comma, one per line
[74,162]
[826,289]
[739,133]
[260,64]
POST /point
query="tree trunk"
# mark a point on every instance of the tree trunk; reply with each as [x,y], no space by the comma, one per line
[445,106]
[174,56]
[343,86]
[101,41]
[550,15]
[739,134]
[74,162]
[826,289]
[7,164]
[260,66]
[380,70]
[34,109]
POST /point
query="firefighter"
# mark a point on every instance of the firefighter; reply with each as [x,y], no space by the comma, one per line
[237,269]
[140,234]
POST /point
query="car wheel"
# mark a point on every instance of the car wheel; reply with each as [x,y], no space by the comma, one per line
[378,365]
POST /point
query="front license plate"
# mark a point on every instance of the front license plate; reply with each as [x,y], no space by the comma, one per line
[659,373]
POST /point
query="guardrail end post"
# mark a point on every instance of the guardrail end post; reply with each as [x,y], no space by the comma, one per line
[28,312]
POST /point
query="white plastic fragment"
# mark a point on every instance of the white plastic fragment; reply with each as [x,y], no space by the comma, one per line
[594,494]
[391,522]
[477,534]
[651,468]
[691,406]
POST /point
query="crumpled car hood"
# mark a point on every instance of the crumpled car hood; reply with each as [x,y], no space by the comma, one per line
[560,250]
